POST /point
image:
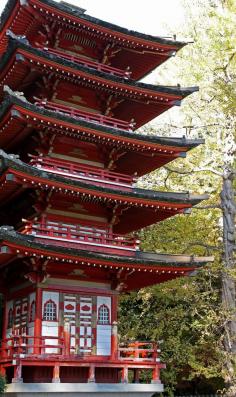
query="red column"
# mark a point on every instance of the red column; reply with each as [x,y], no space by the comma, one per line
[114,341]
[156,374]
[2,371]
[4,327]
[66,338]
[56,374]
[124,375]
[114,330]
[114,305]
[17,373]
[5,319]
[91,376]
[38,321]
[136,375]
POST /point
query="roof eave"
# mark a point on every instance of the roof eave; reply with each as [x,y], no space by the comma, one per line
[9,234]
[176,91]
[81,15]
[11,98]
[9,161]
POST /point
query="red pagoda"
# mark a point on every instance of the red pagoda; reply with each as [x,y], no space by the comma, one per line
[69,160]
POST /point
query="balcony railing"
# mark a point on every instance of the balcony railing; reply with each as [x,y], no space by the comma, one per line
[139,351]
[83,237]
[83,172]
[87,116]
[27,345]
[18,349]
[90,64]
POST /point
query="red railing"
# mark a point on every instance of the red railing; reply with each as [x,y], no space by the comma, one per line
[83,172]
[81,235]
[87,116]
[138,351]
[26,346]
[91,64]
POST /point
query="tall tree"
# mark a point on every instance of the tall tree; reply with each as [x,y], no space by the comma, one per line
[210,320]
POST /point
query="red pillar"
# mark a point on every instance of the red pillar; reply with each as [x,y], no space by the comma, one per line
[17,373]
[114,305]
[38,321]
[114,330]
[124,375]
[91,376]
[4,327]
[156,374]
[114,341]
[56,374]
[66,338]
[136,375]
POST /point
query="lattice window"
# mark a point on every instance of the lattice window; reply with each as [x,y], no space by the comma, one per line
[10,319]
[50,311]
[32,311]
[103,315]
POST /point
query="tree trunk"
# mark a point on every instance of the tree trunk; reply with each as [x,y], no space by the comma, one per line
[228,281]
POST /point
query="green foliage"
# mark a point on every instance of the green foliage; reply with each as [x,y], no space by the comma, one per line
[186,314]
[183,315]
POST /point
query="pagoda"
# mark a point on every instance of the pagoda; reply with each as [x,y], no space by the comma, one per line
[70,157]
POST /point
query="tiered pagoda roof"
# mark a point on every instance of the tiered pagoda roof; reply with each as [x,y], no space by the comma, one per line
[125,99]
[69,204]
[41,70]
[142,207]
[125,271]
[140,153]
[119,47]
[50,50]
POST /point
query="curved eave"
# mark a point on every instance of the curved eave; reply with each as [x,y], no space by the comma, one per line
[140,272]
[27,174]
[74,15]
[23,108]
[173,93]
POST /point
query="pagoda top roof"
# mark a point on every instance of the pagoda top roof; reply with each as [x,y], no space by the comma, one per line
[146,268]
[77,15]
[17,98]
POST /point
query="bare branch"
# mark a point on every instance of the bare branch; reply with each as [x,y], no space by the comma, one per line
[208,169]
[207,207]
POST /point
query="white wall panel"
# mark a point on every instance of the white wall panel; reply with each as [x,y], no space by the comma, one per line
[50,328]
[104,331]
[103,340]
[48,295]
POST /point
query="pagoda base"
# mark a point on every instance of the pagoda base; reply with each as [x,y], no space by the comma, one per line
[82,389]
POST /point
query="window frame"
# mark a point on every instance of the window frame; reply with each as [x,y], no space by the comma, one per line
[101,311]
[52,311]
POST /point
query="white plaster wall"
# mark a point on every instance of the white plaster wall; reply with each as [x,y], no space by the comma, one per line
[50,328]
[104,331]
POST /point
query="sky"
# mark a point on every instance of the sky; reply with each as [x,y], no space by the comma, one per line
[148,17]
[155,17]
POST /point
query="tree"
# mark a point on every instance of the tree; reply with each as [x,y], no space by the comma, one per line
[205,317]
